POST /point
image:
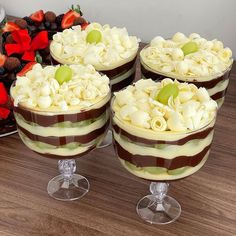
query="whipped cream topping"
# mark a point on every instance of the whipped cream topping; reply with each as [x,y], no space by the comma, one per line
[167,57]
[39,90]
[136,105]
[115,49]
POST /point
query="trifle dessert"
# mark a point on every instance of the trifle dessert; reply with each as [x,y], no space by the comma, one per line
[205,63]
[162,132]
[62,112]
[25,41]
[111,50]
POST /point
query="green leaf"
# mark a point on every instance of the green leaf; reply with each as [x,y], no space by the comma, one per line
[38,58]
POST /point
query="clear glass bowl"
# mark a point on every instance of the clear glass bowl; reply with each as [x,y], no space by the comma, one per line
[160,157]
[216,85]
[64,136]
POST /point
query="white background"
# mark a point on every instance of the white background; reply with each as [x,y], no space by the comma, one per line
[148,18]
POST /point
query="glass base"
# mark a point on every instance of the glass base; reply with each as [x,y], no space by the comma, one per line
[154,212]
[107,141]
[68,190]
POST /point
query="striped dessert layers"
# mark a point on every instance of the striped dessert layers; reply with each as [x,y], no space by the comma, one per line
[120,77]
[216,87]
[161,155]
[66,135]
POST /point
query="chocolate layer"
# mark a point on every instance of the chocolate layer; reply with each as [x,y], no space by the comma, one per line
[170,164]
[198,135]
[58,141]
[219,95]
[207,84]
[119,70]
[122,84]
[45,120]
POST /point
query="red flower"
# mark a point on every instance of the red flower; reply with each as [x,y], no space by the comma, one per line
[25,45]
[4,112]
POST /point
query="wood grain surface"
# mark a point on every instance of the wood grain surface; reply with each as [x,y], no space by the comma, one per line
[208,198]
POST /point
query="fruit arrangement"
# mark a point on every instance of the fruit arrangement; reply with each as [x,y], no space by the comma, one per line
[25,42]
[49,21]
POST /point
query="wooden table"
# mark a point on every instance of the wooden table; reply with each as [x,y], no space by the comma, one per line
[208,198]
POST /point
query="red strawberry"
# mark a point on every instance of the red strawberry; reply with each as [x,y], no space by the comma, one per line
[84,25]
[26,68]
[3,94]
[2,59]
[38,16]
[69,17]
[10,26]
[4,112]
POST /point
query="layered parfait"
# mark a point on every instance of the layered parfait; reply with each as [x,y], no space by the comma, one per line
[163,130]
[61,111]
[205,63]
[111,50]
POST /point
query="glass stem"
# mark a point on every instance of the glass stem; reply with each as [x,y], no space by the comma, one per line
[67,168]
[159,191]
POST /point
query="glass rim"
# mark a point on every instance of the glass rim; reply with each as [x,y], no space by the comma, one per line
[165,131]
[58,112]
[183,78]
[127,60]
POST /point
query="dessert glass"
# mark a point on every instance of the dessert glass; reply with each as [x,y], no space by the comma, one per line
[64,136]
[160,157]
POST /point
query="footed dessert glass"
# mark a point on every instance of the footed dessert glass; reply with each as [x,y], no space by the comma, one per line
[64,136]
[159,157]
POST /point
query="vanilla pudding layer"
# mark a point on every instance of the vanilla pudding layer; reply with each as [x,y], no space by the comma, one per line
[163,155]
[215,85]
[63,135]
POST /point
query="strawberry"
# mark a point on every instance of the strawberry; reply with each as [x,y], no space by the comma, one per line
[2,59]
[68,19]
[38,16]
[70,16]
[84,25]
[4,112]
[3,94]
[26,68]
[10,26]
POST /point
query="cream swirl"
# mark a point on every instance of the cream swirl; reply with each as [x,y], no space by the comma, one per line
[192,109]
[166,56]
[39,90]
[115,48]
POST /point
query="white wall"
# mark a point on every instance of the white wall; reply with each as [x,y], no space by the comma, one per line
[148,18]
